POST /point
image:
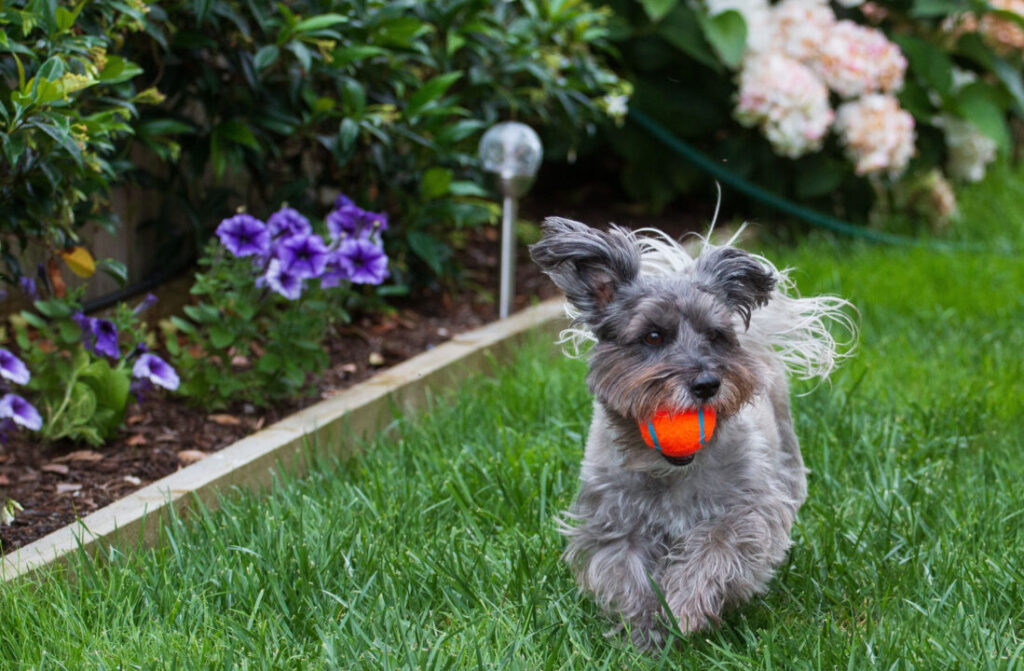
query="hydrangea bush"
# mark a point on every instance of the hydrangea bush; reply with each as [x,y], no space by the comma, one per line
[857,102]
[250,337]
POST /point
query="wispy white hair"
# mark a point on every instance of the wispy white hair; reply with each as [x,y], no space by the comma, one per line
[801,330]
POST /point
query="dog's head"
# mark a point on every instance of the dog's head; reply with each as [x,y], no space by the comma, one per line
[665,341]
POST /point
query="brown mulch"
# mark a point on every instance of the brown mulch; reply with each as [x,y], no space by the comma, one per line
[57,483]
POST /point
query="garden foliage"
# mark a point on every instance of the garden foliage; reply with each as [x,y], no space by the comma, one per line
[85,370]
[851,103]
[277,102]
[250,338]
[67,101]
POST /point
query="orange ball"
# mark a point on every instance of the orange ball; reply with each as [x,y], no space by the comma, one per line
[678,434]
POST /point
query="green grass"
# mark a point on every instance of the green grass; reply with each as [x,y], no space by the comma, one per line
[437,549]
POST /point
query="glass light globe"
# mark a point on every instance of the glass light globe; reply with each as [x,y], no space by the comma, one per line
[512,150]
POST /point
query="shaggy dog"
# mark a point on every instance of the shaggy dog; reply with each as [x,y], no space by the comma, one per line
[649,532]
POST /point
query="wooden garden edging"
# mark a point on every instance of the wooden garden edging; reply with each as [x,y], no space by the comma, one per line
[331,427]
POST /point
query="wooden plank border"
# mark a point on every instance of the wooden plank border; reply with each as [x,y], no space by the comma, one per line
[333,426]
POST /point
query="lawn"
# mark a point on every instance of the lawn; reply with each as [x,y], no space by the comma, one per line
[437,548]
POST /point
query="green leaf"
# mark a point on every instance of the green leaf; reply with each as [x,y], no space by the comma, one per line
[319,23]
[54,309]
[657,9]
[348,131]
[467,188]
[430,91]
[220,337]
[928,62]
[237,132]
[355,53]
[977,103]
[458,131]
[268,363]
[433,251]
[1011,79]
[682,30]
[118,70]
[354,97]
[930,8]
[303,54]
[114,269]
[436,182]
[182,325]
[727,34]
[266,56]
[163,127]
[202,313]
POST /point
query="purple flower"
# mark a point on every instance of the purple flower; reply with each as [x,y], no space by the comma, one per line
[339,269]
[19,410]
[244,235]
[105,334]
[28,285]
[343,201]
[375,221]
[287,222]
[12,368]
[303,256]
[344,221]
[369,263]
[147,302]
[283,281]
[156,370]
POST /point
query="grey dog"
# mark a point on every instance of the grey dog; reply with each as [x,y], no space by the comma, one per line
[721,330]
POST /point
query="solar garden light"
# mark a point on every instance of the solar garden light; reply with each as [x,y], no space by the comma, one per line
[512,151]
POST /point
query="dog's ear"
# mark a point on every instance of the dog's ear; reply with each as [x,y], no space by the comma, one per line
[589,265]
[738,278]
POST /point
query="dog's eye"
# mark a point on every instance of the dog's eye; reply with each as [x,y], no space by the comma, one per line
[713,335]
[653,338]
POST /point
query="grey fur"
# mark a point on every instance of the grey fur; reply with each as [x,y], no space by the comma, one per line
[709,534]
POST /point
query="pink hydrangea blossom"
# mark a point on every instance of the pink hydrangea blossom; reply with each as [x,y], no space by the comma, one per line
[877,133]
[855,60]
[787,101]
[800,27]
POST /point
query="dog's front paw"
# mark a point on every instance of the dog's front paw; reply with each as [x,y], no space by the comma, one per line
[691,620]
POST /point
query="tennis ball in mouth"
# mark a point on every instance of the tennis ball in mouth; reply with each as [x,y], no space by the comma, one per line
[678,434]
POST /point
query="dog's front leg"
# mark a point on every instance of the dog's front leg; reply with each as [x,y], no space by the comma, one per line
[723,560]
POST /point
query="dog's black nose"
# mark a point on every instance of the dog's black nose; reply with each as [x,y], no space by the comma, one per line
[705,386]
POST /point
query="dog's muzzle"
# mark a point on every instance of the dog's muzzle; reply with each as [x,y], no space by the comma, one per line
[678,461]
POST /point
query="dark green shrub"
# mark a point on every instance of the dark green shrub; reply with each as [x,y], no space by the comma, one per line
[384,100]
[66,100]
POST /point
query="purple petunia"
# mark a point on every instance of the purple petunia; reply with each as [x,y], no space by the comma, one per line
[98,335]
[339,269]
[287,222]
[154,369]
[343,201]
[12,368]
[344,221]
[20,411]
[105,334]
[303,256]
[244,235]
[369,262]
[28,285]
[283,281]
[146,303]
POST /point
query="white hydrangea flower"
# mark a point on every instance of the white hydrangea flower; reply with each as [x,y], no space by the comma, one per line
[756,14]
[970,150]
[799,28]
[787,100]
[855,60]
[877,133]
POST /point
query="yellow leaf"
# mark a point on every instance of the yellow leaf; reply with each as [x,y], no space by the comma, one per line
[80,261]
